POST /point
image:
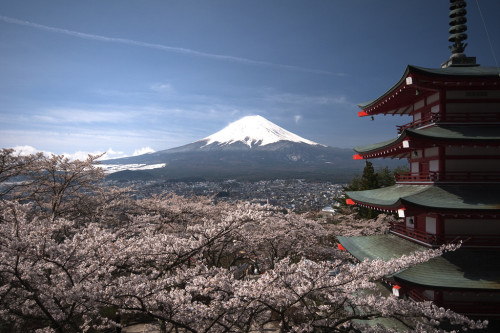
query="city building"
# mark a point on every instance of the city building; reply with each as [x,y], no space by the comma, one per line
[452,192]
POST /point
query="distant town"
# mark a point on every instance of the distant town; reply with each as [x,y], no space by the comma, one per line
[292,194]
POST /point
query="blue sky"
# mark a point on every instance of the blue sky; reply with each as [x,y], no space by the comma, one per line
[129,76]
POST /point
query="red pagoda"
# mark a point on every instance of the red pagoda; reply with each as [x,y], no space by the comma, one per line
[452,191]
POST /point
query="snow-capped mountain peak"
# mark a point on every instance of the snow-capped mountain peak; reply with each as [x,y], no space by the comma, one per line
[253,131]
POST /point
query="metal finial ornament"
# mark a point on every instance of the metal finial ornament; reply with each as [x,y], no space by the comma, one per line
[458,27]
[457,36]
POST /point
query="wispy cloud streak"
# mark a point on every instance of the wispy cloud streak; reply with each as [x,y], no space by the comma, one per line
[161,47]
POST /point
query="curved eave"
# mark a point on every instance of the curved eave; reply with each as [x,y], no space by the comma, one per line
[464,197]
[460,269]
[387,198]
[439,198]
[466,134]
[399,98]
[401,83]
[383,247]
[393,148]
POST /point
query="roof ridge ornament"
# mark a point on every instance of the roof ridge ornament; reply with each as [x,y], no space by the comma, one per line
[458,36]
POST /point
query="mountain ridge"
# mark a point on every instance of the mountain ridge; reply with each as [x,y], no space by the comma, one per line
[250,147]
[253,131]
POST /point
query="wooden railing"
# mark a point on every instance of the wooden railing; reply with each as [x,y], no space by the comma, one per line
[434,240]
[470,117]
[433,176]
[416,176]
[422,236]
[418,295]
[427,119]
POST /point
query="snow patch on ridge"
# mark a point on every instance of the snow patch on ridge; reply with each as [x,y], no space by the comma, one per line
[253,131]
[111,168]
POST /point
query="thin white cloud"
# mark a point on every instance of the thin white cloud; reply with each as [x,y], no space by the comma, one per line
[98,113]
[299,99]
[162,87]
[77,115]
[96,141]
[297,118]
[28,150]
[77,155]
[163,47]
[81,155]
[143,150]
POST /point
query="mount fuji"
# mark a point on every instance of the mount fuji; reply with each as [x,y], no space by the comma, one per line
[253,131]
[251,148]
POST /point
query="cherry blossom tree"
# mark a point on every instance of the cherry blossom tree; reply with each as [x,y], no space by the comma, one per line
[349,224]
[46,265]
[13,165]
[77,256]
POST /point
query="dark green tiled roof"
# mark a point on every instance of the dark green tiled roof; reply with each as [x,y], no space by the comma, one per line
[387,323]
[461,71]
[378,246]
[380,145]
[440,132]
[463,196]
[463,268]
[387,196]
[457,132]
[472,71]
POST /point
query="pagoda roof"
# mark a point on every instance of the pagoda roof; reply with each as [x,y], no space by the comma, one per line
[463,268]
[484,197]
[472,134]
[385,247]
[400,97]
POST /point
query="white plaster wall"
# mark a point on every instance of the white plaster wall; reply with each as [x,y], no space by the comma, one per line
[431,152]
[433,98]
[420,104]
[430,225]
[409,220]
[434,165]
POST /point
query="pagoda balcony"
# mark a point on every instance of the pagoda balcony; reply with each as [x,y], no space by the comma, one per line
[428,239]
[434,176]
[425,120]
[456,117]
[434,240]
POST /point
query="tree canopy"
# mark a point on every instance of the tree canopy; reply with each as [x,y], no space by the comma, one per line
[371,179]
[78,256]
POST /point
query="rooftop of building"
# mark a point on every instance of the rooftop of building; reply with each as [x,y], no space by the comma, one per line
[470,133]
[473,197]
[416,78]
[461,269]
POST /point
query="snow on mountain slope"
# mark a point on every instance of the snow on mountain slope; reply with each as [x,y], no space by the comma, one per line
[253,131]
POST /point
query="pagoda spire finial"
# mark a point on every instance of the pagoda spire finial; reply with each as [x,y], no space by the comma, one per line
[458,35]
[458,27]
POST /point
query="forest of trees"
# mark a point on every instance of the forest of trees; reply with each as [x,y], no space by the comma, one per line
[371,179]
[76,256]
